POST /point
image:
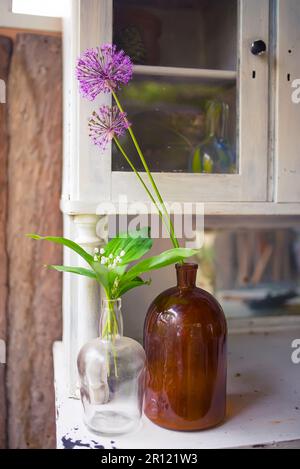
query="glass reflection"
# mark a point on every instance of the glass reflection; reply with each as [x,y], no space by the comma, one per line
[178,33]
[183,125]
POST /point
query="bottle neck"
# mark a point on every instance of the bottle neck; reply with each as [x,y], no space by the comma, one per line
[213,118]
[224,122]
[111,320]
[186,275]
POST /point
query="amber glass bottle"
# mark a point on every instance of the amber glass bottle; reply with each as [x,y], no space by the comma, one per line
[185,341]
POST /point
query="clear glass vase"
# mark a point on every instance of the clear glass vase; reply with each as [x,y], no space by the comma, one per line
[111,371]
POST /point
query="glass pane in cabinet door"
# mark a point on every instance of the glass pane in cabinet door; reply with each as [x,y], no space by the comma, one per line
[178,33]
[182,99]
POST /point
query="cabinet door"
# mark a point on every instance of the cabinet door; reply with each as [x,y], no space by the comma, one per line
[198,101]
[288,102]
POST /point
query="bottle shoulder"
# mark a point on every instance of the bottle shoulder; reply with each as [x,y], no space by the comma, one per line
[186,296]
[186,306]
[121,345]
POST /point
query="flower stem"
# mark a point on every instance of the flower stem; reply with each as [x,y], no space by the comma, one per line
[113,331]
[158,195]
[143,184]
[110,330]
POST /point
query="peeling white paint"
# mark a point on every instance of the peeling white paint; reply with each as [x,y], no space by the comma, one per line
[263,403]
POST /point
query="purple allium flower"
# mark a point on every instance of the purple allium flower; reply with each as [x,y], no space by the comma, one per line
[102,70]
[106,124]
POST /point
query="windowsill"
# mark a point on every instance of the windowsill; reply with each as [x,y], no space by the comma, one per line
[77,207]
[263,403]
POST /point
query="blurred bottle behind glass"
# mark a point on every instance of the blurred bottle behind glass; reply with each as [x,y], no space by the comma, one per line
[215,154]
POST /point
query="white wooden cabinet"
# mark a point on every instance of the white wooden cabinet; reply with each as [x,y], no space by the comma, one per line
[287,110]
[266,179]
[266,122]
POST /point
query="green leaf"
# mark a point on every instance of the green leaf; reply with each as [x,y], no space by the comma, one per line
[157,262]
[73,270]
[101,272]
[135,249]
[144,232]
[65,242]
[123,238]
[135,245]
[102,275]
[136,282]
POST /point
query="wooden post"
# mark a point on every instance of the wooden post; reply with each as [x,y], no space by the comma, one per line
[34,309]
[5,53]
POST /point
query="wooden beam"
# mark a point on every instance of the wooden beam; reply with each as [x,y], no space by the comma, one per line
[12,32]
[35,126]
[5,54]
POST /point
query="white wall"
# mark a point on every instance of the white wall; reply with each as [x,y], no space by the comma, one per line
[13,20]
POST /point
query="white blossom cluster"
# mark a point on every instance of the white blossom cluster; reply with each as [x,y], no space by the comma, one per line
[109,261]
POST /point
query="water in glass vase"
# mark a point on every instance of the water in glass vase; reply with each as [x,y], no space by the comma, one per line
[111,370]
